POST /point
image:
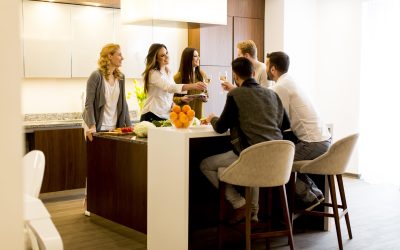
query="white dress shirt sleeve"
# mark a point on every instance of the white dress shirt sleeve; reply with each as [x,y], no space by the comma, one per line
[164,82]
[284,95]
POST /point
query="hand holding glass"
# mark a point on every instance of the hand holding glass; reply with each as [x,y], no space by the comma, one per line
[223,77]
[207,81]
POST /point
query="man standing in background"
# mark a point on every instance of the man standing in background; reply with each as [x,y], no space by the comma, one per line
[248,49]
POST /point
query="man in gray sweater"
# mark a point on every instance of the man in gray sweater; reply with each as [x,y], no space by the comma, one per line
[253,114]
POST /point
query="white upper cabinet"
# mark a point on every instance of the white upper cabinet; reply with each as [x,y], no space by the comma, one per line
[46,39]
[135,41]
[92,28]
[174,35]
[63,40]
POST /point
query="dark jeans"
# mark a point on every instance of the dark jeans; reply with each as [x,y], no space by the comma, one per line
[149,116]
[308,151]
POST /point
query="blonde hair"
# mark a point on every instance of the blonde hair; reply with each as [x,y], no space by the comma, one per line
[104,61]
[249,47]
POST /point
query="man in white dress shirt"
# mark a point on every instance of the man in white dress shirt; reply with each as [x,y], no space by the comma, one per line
[313,138]
[248,49]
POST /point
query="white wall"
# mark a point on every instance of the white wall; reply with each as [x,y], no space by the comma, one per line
[339,58]
[48,95]
[51,95]
[11,223]
[274,26]
[300,42]
[323,40]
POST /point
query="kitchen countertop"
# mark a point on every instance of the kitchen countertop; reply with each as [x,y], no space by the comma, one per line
[47,121]
[124,138]
[33,125]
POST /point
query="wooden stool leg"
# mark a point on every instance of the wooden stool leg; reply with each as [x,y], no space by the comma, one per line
[222,209]
[286,216]
[269,216]
[248,196]
[291,193]
[331,181]
[344,204]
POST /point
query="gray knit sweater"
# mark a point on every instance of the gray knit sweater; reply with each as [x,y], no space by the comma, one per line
[255,112]
[95,101]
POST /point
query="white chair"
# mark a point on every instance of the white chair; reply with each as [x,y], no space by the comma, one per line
[266,164]
[33,164]
[40,230]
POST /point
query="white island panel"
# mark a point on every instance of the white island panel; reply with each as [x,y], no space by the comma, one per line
[168,186]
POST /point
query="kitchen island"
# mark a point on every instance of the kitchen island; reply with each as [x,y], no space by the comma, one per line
[155,185]
[120,180]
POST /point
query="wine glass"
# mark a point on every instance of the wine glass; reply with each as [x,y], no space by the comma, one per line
[223,77]
[207,81]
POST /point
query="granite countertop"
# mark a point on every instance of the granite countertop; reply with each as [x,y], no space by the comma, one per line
[52,120]
[56,120]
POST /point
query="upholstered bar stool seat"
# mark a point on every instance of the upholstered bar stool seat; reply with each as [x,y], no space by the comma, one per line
[332,164]
[266,164]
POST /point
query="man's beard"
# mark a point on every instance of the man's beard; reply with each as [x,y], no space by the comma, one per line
[269,77]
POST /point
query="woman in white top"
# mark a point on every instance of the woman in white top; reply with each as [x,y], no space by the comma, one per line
[160,86]
[105,106]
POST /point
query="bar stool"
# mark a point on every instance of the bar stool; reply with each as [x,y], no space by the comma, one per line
[332,163]
[266,164]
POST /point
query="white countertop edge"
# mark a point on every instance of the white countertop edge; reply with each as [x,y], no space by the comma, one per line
[206,131]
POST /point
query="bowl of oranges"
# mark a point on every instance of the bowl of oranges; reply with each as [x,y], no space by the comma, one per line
[181,117]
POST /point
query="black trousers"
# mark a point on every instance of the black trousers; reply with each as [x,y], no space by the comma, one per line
[149,116]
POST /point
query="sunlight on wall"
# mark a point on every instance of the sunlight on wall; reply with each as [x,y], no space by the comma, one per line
[380,100]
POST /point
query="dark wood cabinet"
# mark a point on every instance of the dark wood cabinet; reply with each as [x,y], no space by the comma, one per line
[65,154]
[117,180]
[246,8]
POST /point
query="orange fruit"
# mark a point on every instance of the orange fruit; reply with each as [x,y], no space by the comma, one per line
[185,124]
[176,109]
[190,114]
[178,124]
[183,117]
[186,108]
[173,116]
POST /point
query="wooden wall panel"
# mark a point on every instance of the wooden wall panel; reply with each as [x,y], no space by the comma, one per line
[194,36]
[246,8]
[216,44]
[249,28]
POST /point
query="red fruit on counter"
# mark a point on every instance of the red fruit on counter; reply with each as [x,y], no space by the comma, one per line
[126,130]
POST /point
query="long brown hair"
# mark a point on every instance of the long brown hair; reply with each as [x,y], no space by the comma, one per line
[104,61]
[186,67]
[151,63]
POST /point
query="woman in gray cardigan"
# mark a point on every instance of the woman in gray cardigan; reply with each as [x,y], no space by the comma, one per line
[105,106]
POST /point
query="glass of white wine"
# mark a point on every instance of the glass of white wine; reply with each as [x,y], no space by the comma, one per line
[223,77]
[207,81]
